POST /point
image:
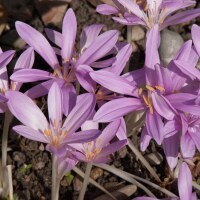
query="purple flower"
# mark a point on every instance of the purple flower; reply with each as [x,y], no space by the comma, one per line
[158,96]
[150,12]
[75,65]
[183,130]
[25,60]
[55,133]
[184,186]
[99,150]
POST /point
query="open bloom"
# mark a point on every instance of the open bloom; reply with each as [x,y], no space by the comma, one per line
[25,60]
[184,186]
[157,97]
[55,133]
[99,150]
[183,130]
[74,66]
[150,12]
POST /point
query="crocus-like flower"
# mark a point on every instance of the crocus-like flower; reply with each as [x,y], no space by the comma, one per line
[25,60]
[98,150]
[74,64]
[150,12]
[55,133]
[184,186]
[157,97]
[183,130]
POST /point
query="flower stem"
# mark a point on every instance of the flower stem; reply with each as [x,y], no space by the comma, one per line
[7,122]
[55,180]
[85,182]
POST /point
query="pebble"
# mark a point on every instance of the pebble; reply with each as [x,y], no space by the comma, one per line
[154,158]
[77,183]
[41,147]
[137,33]
[96,173]
[39,165]
[170,44]
[122,152]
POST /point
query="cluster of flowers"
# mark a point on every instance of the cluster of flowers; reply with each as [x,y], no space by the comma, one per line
[167,95]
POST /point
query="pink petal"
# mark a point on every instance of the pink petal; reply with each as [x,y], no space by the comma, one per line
[117,108]
[36,40]
[114,83]
[80,113]
[69,29]
[26,111]
[30,133]
[185,182]
[30,75]
[55,103]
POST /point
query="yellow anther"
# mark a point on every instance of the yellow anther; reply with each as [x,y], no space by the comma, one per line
[150,108]
[12,85]
[3,90]
[140,91]
[160,88]
[48,132]
[150,88]
[55,72]
[61,68]
[55,140]
[64,134]
[148,102]
[145,100]
[55,124]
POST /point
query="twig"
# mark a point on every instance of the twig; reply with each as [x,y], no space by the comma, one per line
[80,173]
[55,180]
[195,185]
[124,176]
[143,160]
[7,122]
[85,182]
[165,191]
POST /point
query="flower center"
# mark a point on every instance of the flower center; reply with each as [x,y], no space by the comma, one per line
[55,134]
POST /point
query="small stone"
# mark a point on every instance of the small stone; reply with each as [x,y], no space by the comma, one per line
[96,173]
[39,165]
[77,183]
[41,147]
[122,152]
[154,158]
[137,33]
[170,44]
[51,12]
[18,157]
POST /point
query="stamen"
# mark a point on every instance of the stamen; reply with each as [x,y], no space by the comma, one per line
[150,88]
[3,90]
[48,132]
[12,85]
[55,140]
[55,124]
[140,91]
[160,88]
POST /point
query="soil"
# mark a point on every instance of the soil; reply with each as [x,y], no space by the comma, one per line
[31,164]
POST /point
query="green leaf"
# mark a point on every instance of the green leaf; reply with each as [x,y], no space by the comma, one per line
[25,168]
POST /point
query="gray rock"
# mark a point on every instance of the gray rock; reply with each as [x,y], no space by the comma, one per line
[137,33]
[170,44]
